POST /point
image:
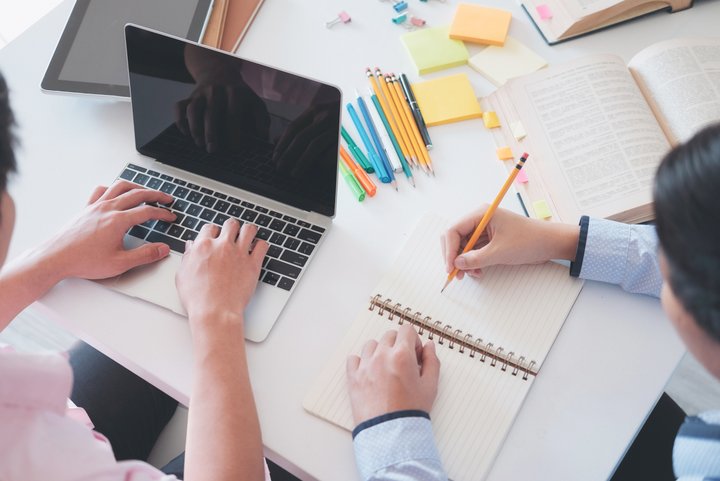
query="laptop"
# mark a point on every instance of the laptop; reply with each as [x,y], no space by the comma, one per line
[230,138]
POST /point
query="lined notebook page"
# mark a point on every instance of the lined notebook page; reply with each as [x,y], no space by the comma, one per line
[522,307]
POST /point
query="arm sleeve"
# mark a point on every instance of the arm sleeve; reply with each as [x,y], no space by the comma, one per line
[398,449]
[618,253]
[696,452]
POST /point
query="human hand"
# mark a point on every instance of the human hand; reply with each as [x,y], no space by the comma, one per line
[91,245]
[307,141]
[385,378]
[509,238]
[218,275]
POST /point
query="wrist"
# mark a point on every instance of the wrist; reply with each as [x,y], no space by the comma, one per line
[563,241]
[213,327]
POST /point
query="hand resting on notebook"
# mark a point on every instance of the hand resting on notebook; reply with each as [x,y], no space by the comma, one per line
[396,374]
[509,238]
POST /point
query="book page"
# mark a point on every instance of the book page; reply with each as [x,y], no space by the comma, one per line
[477,402]
[595,135]
[680,79]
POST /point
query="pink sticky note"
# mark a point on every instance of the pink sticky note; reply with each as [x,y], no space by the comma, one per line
[544,12]
[521,177]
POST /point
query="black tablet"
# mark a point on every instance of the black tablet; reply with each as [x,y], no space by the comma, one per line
[90,56]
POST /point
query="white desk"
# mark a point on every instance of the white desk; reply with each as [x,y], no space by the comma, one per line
[605,372]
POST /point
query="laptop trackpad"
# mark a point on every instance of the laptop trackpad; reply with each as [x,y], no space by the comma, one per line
[154,282]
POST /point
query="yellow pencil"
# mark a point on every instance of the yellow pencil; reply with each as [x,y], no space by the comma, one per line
[488,215]
[417,143]
[416,132]
[399,108]
[412,149]
[401,141]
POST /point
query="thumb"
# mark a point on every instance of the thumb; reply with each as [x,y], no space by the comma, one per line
[145,254]
[430,370]
[476,259]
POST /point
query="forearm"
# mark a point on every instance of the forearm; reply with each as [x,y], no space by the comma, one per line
[25,280]
[224,440]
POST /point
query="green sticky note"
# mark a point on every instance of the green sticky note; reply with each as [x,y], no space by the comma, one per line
[542,211]
[431,49]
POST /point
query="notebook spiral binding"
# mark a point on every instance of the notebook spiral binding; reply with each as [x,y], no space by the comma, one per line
[455,338]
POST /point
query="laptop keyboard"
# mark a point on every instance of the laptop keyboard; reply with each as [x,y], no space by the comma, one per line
[291,240]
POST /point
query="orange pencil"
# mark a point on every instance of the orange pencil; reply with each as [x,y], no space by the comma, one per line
[488,215]
[360,174]
[416,132]
[412,149]
[399,102]
[416,143]
[395,129]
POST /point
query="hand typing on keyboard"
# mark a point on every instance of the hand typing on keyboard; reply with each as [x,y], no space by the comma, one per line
[91,245]
[218,274]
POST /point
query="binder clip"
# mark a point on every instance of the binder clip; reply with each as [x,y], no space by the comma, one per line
[399,6]
[426,1]
[342,17]
[414,22]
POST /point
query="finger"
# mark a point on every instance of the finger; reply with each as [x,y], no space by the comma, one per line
[388,339]
[368,349]
[96,194]
[188,247]
[476,259]
[195,115]
[144,255]
[247,234]
[135,197]
[352,365]
[455,235]
[209,230]
[409,339]
[144,213]
[230,230]
[430,367]
[119,188]
[180,119]
[477,273]
[259,251]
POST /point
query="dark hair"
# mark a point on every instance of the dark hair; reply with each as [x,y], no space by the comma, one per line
[7,138]
[687,211]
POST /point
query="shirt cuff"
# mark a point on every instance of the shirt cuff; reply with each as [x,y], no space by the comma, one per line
[396,441]
[407,413]
[576,265]
[606,251]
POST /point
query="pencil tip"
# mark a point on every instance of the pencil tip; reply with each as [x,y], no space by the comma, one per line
[441,290]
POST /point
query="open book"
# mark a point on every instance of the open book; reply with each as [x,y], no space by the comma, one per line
[492,337]
[598,128]
[574,18]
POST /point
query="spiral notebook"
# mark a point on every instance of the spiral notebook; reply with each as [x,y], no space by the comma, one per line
[492,336]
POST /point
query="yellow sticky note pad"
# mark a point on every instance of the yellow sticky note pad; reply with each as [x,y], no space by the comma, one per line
[504,153]
[446,100]
[474,23]
[542,211]
[498,64]
[491,120]
[431,49]
[518,130]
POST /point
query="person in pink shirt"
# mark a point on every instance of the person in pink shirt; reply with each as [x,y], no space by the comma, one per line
[39,438]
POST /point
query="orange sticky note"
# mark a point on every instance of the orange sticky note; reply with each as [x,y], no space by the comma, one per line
[504,153]
[474,23]
[491,120]
[521,178]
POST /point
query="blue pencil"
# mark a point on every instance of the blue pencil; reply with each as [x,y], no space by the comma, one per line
[376,139]
[372,156]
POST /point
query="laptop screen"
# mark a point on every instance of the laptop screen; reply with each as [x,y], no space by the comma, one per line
[255,127]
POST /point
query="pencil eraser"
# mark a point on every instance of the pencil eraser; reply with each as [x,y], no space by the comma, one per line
[544,12]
